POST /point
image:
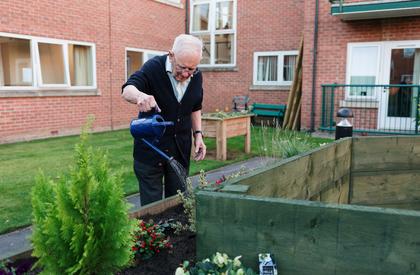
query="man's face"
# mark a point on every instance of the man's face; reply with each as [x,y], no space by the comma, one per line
[184,65]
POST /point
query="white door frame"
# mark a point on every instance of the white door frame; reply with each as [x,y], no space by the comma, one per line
[383,120]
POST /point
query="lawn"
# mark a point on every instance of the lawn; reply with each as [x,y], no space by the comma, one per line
[21,162]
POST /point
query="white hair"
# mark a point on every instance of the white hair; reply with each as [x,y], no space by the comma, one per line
[186,43]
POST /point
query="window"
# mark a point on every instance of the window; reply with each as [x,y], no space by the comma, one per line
[363,69]
[135,58]
[31,63]
[274,68]
[15,62]
[214,22]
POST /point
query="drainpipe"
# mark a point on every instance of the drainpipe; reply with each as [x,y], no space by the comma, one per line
[314,55]
[186,16]
[111,120]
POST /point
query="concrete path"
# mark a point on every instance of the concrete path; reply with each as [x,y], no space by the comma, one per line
[17,242]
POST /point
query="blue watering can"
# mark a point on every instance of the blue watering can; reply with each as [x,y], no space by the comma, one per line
[150,130]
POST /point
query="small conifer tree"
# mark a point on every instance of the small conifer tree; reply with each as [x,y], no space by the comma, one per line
[81,223]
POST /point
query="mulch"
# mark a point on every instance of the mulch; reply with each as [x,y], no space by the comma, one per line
[167,261]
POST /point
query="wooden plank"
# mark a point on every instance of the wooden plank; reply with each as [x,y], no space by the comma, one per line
[304,176]
[337,193]
[386,153]
[156,207]
[221,141]
[209,127]
[378,242]
[248,136]
[386,187]
[309,237]
[315,240]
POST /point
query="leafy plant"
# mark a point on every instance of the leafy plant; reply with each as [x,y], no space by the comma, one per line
[81,225]
[188,200]
[149,240]
[6,268]
[218,265]
[278,143]
[222,115]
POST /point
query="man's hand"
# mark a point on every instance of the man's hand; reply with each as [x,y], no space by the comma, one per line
[146,103]
[200,147]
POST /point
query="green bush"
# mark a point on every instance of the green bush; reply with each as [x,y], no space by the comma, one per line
[81,223]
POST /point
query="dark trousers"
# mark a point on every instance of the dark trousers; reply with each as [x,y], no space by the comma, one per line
[153,180]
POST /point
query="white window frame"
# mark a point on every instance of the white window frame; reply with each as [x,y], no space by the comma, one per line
[175,3]
[280,66]
[37,83]
[145,53]
[213,32]
[378,76]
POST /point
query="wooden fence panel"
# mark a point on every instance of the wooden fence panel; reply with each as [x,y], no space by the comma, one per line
[309,237]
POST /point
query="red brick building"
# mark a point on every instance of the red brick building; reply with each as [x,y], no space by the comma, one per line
[61,61]
[64,60]
[369,45]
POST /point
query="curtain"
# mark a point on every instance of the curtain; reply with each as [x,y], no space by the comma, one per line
[82,66]
[289,67]
[267,68]
[1,69]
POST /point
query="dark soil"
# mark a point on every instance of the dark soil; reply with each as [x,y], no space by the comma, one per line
[167,261]
[163,263]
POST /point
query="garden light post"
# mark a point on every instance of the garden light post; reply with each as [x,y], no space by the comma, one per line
[344,127]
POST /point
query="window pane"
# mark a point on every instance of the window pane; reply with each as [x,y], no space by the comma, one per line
[224,15]
[206,49]
[80,62]
[289,65]
[267,68]
[224,49]
[200,17]
[363,69]
[15,62]
[52,63]
[134,62]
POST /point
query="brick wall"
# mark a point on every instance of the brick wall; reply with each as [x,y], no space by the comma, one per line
[112,25]
[269,25]
[334,35]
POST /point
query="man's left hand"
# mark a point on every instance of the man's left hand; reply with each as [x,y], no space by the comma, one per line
[200,147]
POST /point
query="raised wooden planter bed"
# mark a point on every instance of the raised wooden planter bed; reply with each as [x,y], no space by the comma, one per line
[224,128]
[330,211]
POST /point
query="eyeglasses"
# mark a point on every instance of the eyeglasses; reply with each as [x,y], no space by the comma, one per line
[179,68]
[191,71]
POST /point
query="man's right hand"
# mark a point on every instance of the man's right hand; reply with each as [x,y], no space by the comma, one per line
[146,103]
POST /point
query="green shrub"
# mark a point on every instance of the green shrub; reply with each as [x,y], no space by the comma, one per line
[149,240]
[81,223]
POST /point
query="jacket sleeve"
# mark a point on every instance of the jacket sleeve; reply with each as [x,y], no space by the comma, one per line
[141,78]
[198,104]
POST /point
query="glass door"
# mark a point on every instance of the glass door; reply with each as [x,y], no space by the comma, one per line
[398,104]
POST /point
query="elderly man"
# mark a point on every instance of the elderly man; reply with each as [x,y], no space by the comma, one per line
[172,85]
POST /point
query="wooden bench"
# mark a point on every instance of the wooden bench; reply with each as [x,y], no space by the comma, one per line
[275,111]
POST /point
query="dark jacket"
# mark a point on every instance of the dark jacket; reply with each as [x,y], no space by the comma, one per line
[152,79]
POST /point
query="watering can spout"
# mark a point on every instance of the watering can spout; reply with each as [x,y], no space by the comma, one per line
[150,128]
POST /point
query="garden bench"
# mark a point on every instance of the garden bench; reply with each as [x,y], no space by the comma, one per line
[276,111]
[240,103]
